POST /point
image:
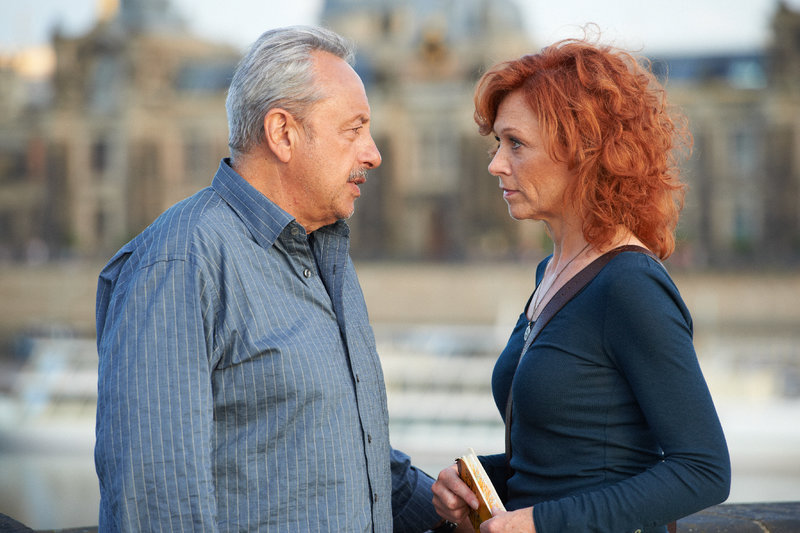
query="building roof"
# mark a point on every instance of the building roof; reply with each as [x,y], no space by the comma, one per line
[741,70]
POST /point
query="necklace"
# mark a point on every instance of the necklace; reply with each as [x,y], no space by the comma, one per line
[538,301]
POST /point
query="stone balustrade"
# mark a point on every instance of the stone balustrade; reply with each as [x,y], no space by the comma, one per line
[772,517]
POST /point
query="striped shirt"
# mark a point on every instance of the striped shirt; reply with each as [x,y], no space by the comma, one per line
[239,384]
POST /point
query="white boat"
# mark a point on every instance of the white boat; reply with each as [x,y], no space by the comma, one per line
[49,402]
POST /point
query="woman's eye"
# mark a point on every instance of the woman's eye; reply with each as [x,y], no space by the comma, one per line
[515,143]
[493,150]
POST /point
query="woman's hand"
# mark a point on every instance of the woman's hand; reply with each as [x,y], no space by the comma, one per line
[519,521]
[452,497]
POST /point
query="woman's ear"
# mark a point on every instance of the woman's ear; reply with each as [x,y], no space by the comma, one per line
[280,130]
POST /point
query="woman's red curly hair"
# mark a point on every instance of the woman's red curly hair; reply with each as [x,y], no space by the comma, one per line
[604,113]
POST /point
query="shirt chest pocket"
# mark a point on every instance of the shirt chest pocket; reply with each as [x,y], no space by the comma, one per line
[298,366]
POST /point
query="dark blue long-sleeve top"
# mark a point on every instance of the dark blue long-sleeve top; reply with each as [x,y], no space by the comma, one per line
[613,428]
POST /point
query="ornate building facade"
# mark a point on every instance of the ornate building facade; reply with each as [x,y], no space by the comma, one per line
[133,120]
[743,205]
[432,198]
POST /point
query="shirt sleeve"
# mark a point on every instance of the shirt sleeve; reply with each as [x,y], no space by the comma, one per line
[648,335]
[412,498]
[154,413]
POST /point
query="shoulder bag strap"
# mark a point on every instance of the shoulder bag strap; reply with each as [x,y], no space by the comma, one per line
[559,300]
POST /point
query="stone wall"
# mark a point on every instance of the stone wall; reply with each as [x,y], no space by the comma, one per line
[63,294]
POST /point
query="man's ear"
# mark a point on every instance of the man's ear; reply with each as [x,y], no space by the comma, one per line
[280,130]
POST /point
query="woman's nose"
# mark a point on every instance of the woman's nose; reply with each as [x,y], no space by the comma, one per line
[498,165]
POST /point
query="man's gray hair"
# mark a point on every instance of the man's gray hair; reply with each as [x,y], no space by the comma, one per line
[277,72]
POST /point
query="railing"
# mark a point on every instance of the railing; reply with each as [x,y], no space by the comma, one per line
[744,518]
[779,517]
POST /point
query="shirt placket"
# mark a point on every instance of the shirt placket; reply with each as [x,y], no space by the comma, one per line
[332,264]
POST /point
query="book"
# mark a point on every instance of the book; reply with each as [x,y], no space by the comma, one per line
[471,471]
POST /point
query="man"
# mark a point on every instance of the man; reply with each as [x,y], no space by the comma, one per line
[239,386]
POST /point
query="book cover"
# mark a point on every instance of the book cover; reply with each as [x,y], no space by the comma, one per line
[472,473]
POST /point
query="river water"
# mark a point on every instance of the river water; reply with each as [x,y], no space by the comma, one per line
[440,404]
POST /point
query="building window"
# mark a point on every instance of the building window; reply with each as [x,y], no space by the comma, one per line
[99,156]
[439,154]
[745,151]
[201,159]
[12,165]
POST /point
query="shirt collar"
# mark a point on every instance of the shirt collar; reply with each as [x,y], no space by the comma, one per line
[265,220]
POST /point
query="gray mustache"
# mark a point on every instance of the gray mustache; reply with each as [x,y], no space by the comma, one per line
[360,173]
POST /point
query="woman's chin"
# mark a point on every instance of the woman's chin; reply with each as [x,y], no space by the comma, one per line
[518,214]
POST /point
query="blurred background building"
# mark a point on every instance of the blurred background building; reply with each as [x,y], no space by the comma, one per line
[743,208]
[129,118]
[102,130]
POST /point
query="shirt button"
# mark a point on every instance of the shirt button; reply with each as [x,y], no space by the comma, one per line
[375,497]
[369,438]
[358,379]
[307,272]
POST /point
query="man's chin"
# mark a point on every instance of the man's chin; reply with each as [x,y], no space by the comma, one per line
[344,214]
[347,212]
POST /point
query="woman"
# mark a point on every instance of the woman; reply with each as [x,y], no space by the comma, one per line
[613,427]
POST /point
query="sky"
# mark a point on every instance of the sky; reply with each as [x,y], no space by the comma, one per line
[651,26]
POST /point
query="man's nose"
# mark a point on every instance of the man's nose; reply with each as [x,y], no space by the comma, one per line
[371,157]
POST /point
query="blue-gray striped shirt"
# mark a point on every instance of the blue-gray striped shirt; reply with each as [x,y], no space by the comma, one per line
[239,385]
